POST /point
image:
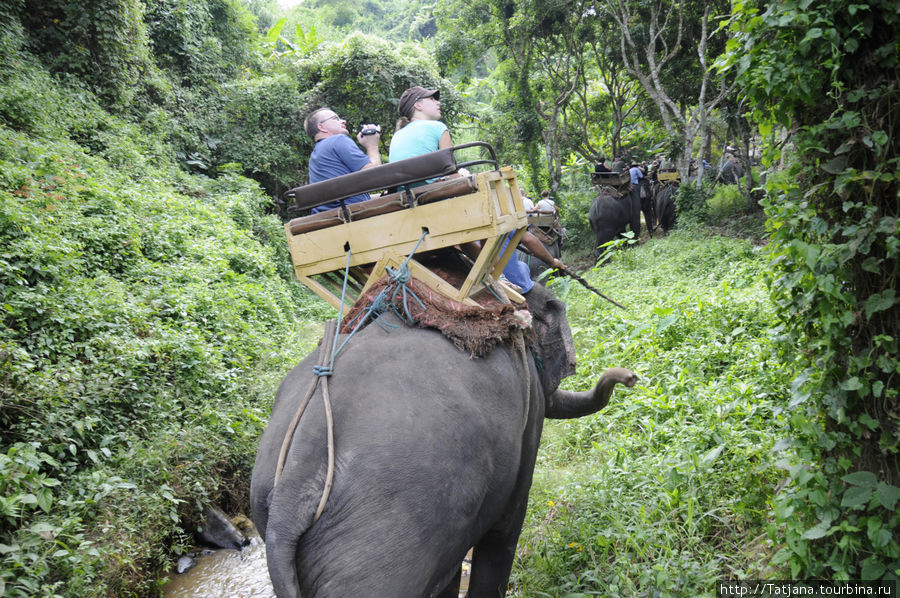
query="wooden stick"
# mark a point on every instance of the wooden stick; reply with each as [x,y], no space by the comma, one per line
[565,270]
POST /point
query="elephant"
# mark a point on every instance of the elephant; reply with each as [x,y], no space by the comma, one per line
[434,452]
[664,202]
[611,213]
[731,172]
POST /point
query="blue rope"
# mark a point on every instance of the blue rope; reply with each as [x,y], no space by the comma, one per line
[380,304]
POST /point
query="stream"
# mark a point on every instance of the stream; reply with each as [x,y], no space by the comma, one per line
[224,573]
[229,573]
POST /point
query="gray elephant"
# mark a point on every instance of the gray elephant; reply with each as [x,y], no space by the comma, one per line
[731,171]
[433,454]
[611,214]
[664,201]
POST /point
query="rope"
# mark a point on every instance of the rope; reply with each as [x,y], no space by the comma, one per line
[327,344]
[325,368]
[397,284]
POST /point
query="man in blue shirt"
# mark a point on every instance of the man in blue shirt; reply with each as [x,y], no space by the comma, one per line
[516,271]
[335,154]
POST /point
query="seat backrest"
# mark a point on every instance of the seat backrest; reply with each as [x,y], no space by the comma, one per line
[402,172]
[613,179]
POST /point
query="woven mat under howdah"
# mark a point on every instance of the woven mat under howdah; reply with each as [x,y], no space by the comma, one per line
[476,330]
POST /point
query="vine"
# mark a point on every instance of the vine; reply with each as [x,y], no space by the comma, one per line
[829,72]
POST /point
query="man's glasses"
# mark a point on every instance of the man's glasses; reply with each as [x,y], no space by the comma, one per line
[324,120]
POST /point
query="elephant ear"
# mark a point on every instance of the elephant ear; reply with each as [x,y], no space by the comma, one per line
[553,337]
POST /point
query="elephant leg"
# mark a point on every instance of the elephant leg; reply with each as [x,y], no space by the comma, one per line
[452,589]
[647,207]
[636,212]
[492,562]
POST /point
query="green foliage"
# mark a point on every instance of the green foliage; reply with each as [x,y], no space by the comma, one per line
[665,491]
[102,43]
[726,202]
[147,317]
[262,130]
[200,41]
[830,71]
[574,199]
[397,20]
[691,203]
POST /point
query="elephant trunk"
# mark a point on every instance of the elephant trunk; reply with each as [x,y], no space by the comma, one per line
[566,404]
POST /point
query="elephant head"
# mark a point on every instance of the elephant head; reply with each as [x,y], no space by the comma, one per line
[552,340]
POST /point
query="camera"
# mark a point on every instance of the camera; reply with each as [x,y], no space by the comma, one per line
[368,131]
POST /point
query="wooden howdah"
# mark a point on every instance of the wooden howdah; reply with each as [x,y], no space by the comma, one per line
[611,179]
[489,211]
[667,176]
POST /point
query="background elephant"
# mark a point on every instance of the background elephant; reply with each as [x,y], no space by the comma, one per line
[648,206]
[610,215]
[434,453]
[664,202]
[731,171]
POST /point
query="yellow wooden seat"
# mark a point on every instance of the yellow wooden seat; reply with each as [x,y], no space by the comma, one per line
[611,179]
[665,176]
[489,210]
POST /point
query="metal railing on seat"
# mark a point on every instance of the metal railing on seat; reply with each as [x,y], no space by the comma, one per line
[370,236]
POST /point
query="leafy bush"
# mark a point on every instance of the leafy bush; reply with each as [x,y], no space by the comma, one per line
[691,203]
[829,72]
[102,43]
[147,317]
[574,207]
[725,202]
[666,491]
[262,130]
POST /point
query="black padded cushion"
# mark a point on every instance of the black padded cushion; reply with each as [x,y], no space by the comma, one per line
[401,172]
[384,204]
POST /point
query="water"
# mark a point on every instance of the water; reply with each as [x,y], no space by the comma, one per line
[240,574]
[224,574]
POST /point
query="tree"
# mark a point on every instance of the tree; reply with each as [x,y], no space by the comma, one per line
[102,42]
[654,40]
[830,72]
[605,91]
[542,46]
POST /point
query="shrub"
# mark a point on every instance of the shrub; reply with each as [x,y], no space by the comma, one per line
[147,317]
[725,202]
[666,491]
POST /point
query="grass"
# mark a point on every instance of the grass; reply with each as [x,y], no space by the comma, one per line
[668,489]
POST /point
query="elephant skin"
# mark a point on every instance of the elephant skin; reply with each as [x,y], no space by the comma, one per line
[434,454]
[609,216]
[218,530]
[731,172]
[664,200]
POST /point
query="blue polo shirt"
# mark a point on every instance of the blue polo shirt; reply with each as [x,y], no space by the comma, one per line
[332,157]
